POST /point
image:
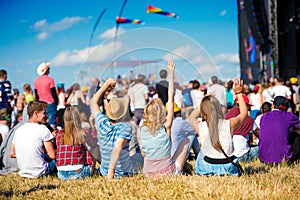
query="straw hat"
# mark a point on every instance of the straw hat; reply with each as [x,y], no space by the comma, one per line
[42,68]
[117,108]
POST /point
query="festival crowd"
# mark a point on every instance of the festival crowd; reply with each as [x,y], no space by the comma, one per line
[122,127]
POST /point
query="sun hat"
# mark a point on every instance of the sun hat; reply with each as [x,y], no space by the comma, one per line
[281,102]
[176,107]
[42,68]
[245,99]
[117,108]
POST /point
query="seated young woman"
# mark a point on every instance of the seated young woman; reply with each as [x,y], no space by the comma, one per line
[154,136]
[215,133]
[73,160]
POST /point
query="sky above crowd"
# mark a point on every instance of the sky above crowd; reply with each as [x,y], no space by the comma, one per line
[202,41]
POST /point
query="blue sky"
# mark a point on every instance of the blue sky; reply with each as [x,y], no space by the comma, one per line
[203,40]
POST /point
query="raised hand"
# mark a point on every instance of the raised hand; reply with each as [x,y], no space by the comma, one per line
[237,86]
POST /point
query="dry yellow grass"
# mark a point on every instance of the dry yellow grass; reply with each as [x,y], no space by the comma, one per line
[262,182]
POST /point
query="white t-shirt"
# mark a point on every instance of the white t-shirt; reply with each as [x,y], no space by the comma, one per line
[255,100]
[138,92]
[219,92]
[197,97]
[28,141]
[281,90]
[4,129]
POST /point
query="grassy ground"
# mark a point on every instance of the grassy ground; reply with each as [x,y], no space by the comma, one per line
[261,182]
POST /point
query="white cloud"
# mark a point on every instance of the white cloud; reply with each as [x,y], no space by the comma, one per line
[42,36]
[98,53]
[178,53]
[223,13]
[45,29]
[227,58]
[110,33]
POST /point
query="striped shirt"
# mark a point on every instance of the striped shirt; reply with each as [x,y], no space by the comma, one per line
[107,136]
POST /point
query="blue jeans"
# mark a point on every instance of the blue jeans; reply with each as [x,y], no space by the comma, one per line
[51,112]
[247,157]
[83,172]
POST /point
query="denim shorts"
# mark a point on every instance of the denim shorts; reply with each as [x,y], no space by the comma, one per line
[204,168]
[83,172]
[51,112]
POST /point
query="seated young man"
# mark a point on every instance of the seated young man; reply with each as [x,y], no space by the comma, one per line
[276,143]
[29,142]
[114,135]
[241,135]
[182,129]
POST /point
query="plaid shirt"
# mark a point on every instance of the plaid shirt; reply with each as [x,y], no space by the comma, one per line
[71,154]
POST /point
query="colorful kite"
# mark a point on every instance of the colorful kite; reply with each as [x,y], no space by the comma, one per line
[152,9]
[121,20]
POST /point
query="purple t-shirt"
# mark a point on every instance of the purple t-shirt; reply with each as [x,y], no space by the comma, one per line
[274,133]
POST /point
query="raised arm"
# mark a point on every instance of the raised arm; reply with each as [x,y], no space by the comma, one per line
[170,108]
[238,120]
[193,118]
[108,83]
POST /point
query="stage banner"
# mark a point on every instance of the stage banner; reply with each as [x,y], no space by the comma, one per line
[249,48]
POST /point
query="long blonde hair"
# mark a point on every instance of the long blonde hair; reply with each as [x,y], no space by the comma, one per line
[73,132]
[154,115]
[211,112]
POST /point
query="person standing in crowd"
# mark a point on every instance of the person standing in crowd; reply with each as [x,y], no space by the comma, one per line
[162,86]
[268,94]
[229,95]
[196,94]
[154,136]
[6,95]
[276,142]
[218,91]
[45,90]
[187,99]
[73,160]
[281,90]
[28,93]
[29,142]
[61,107]
[76,98]
[256,100]
[114,136]
[139,98]
[13,104]
[215,135]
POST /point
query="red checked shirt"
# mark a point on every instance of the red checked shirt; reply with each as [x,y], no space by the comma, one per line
[71,154]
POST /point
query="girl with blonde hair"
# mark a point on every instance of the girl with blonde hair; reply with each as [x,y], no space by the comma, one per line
[215,135]
[154,135]
[73,160]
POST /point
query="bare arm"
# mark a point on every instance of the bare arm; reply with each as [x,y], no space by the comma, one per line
[50,149]
[12,152]
[114,157]
[99,93]
[194,119]
[238,120]
[139,141]
[170,108]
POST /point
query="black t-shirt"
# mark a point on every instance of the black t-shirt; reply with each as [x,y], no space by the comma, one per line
[162,90]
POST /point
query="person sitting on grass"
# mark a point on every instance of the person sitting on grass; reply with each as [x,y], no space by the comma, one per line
[29,143]
[114,135]
[215,133]
[279,138]
[73,160]
[154,136]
